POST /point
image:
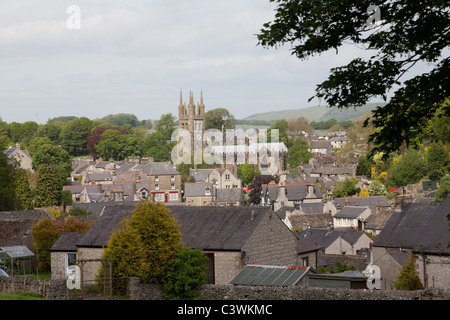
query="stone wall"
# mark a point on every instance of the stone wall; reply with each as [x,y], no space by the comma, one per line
[139,291]
[52,290]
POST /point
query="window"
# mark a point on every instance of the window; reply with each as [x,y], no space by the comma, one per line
[156,186]
[207,191]
[156,178]
[173,196]
[159,196]
[172,186]
[227,177]
[172,178]
[70,258]
[304,262]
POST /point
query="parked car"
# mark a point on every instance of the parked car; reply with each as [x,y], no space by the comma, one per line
[3,273]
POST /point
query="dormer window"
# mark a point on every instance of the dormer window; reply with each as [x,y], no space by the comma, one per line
[208,191]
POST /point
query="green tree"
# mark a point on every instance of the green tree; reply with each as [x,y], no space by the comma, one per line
[282,127]
[8,198]
[23,191]
[364,167]
[49,154]
[216,118]
[156,146]
[118,146]
[408,280]
[122,118]
[147,244]
[166,125]
[74,136]
[408,32]
[29,131]
[298,153]
[50,130]
[36,143]
[444,189]
[246,173]
[345,188]
[376,188]
[409,169]
[186,274]
[49,185]
[437,159]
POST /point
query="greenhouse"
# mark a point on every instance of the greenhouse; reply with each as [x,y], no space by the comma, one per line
[16,260]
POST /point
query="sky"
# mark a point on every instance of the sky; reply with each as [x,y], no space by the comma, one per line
[136,56]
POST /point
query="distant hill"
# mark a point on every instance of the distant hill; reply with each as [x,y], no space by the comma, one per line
[317,113]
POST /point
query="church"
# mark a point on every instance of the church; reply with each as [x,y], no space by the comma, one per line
[269,158]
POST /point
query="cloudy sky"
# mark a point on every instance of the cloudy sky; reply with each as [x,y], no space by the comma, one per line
[134,56]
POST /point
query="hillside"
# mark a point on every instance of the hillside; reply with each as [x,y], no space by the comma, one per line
[316,113]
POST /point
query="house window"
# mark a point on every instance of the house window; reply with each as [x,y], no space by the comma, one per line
[173,196]
[159,197]
[305,262]
[70,259]
[172,178]
[208,191]
[172,186]
[156,178]
[227,177]
[156,186]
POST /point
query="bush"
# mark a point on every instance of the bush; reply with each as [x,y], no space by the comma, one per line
[186,275]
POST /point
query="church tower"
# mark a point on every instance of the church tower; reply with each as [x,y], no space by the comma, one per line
[192,118]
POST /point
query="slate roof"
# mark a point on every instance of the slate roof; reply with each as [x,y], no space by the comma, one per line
[350,212]
[229,195]
[197,189]
[416,225]
[261,275]
[371,202]
[294,191]
[315,220]
[217,228]
[67,242]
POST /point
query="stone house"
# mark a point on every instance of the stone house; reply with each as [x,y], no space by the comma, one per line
[351,217]
[22,157]
[232,237]
[320,147]
[199,193]
[423,229]
[289,194]
[221,178]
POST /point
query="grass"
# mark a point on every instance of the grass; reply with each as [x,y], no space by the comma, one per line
[21,296]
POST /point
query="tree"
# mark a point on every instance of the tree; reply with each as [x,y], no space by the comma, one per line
[23,191]
[345,188]
[298,153]
[408,169]
[186,274]
[94,138]
[444,189]
[408,280]
[8,199]
[156,146]
[246,173]
[364,167]
[47,231]
[282,127]
[147,244]
[216,118]
[437,159]
[166,125]
[74,136]
[122,118]
[49,185]
[364,193]
[50,154]
[254,196]
[408,32]
[376,188]
[299,124]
